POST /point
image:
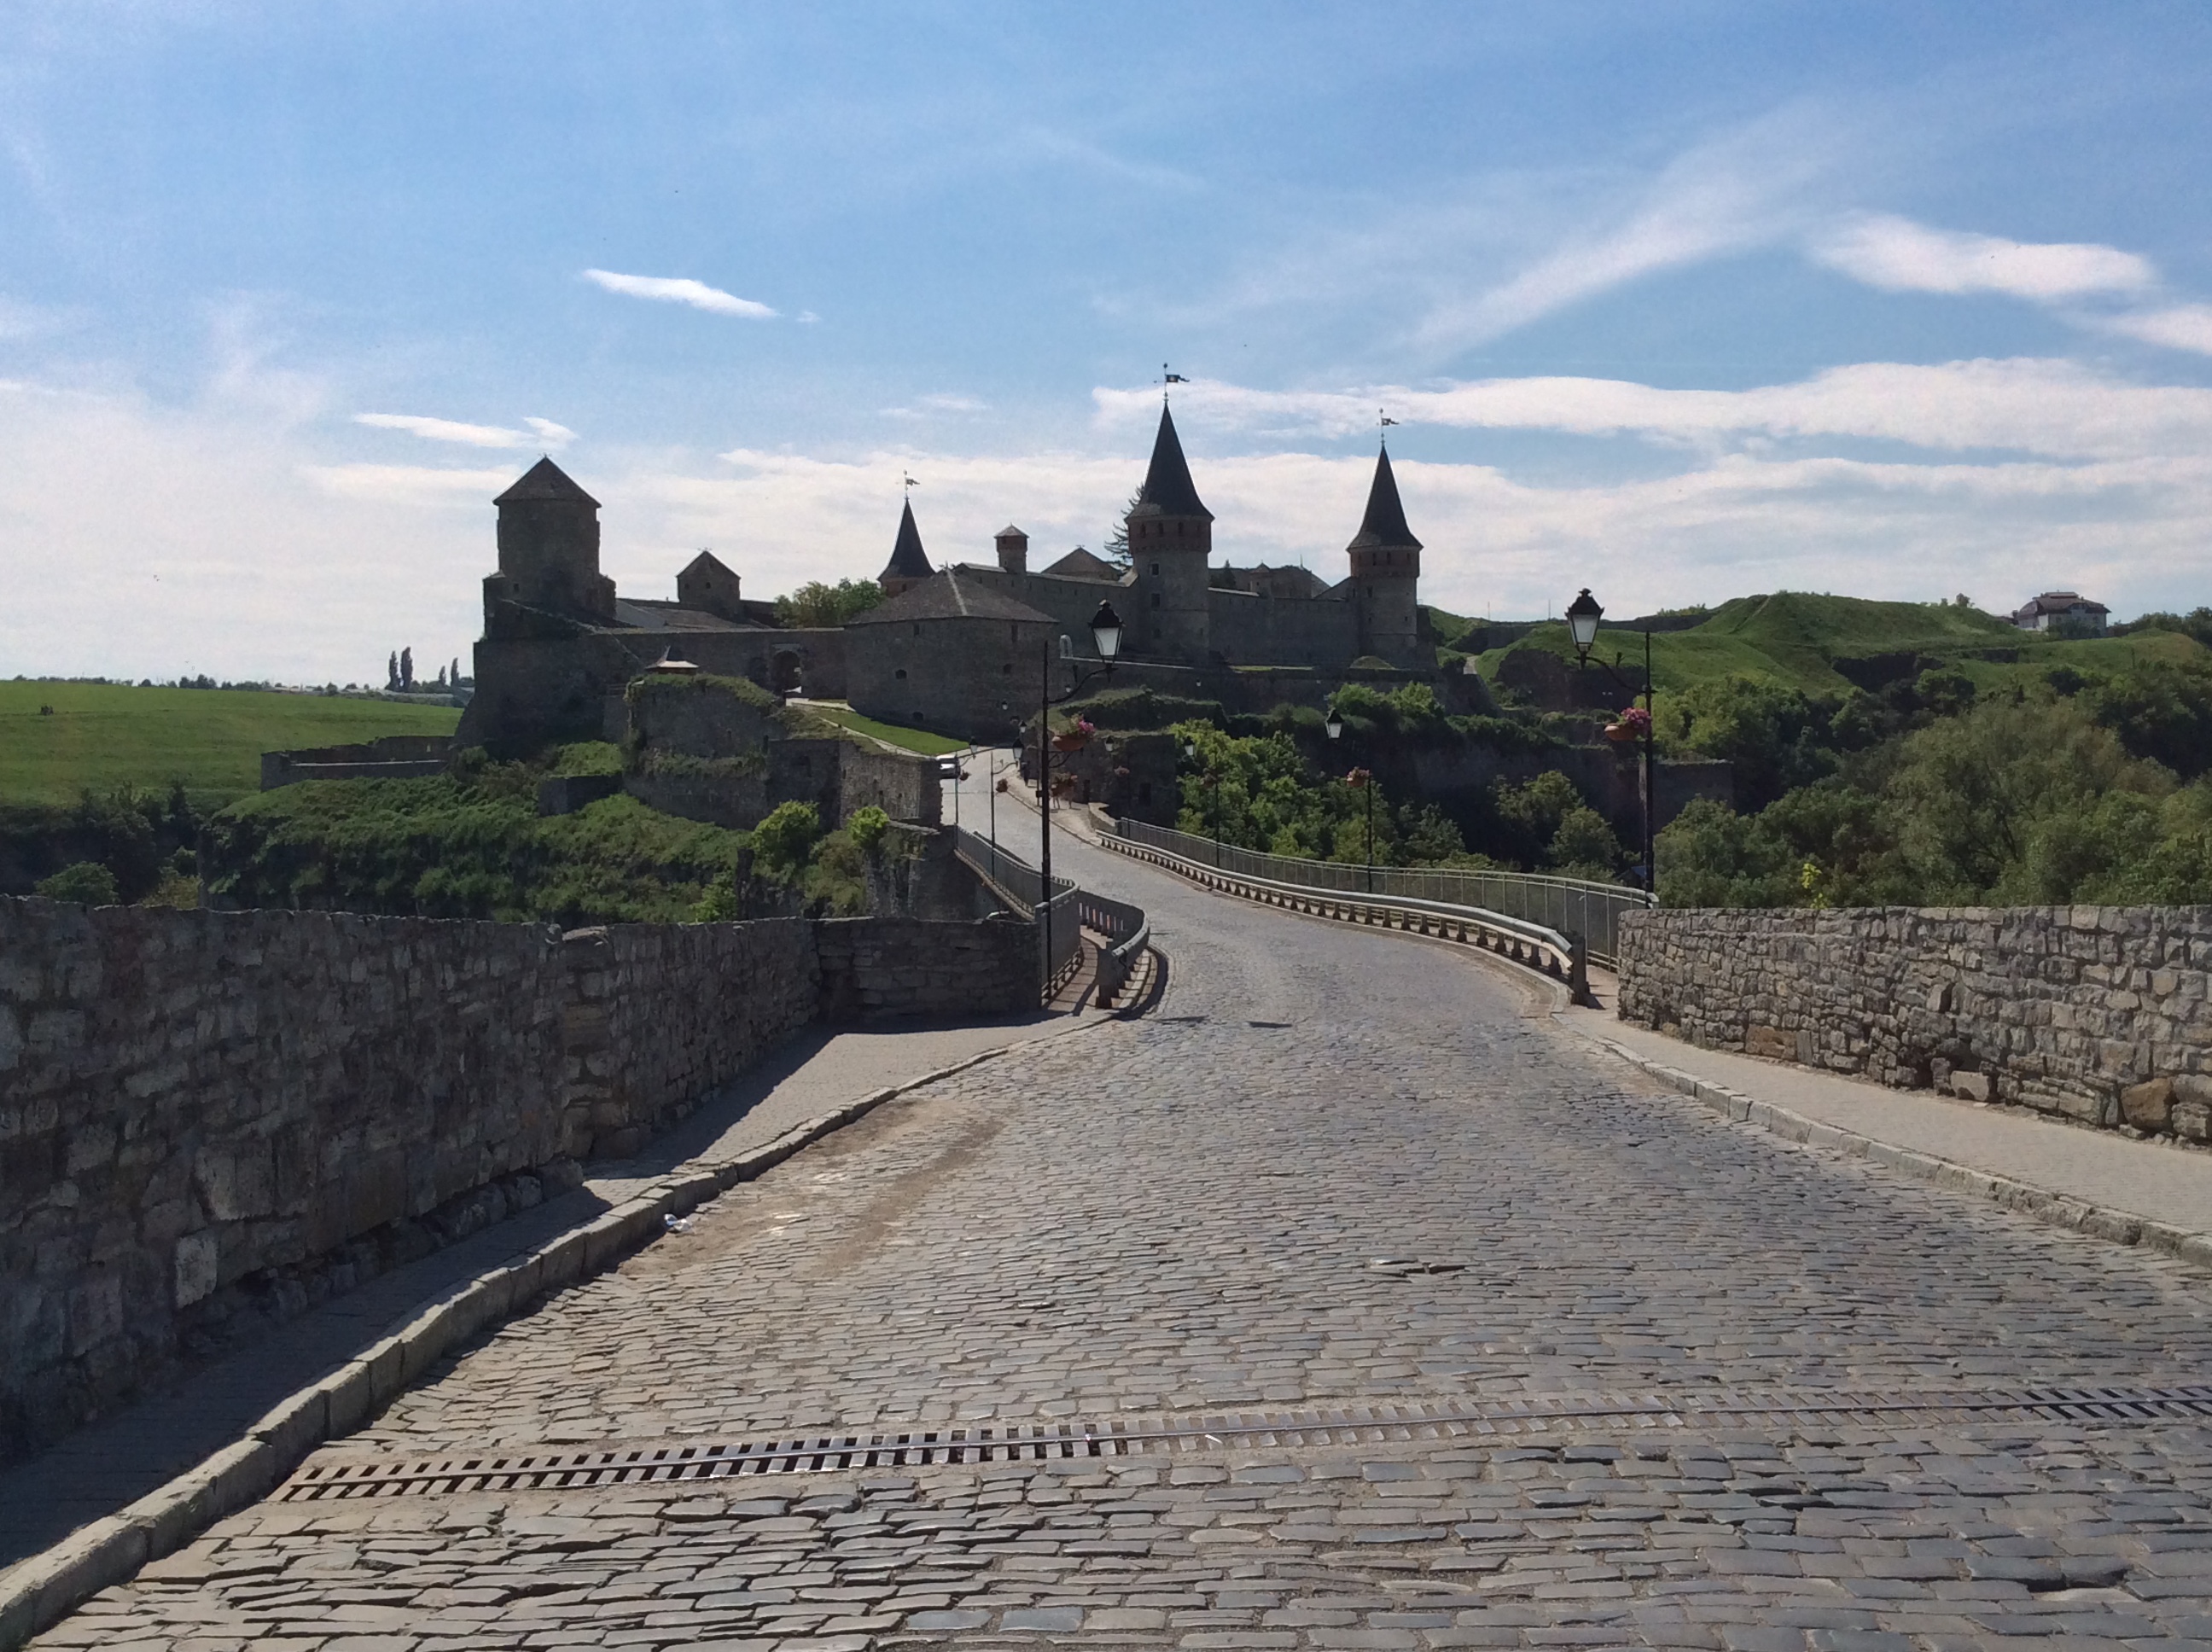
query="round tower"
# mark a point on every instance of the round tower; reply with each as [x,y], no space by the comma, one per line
[1171,543]
[1385,574]
[548,548]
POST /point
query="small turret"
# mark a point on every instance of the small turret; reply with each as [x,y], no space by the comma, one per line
[1013,549]
[708,583]
[1386,572]
[1170,542]
[910,565]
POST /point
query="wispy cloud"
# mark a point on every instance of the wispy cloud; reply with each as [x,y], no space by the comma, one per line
[1898,255]
[2038,405]
[680,289]
[1744,188]
[2181,327]
[542,433]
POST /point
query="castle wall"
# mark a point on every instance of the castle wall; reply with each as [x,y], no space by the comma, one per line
[970,679]
[1248,629]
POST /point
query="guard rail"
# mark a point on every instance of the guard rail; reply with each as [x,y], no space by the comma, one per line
[1021,887]
[1535,946]
[1572,906]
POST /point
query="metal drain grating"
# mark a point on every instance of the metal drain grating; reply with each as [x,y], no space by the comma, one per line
[332,1477]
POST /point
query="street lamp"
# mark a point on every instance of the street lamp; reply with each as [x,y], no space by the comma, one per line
[1106,636]
[1361,779]
[1335,724]
[1583,616]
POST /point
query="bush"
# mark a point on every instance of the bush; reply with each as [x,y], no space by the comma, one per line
[88,883]
[781,842]
[866,829]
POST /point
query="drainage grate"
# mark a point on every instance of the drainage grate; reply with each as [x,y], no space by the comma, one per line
[333,1477]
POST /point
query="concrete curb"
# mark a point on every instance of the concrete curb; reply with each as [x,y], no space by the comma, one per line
[39,1592]
[2045,1204]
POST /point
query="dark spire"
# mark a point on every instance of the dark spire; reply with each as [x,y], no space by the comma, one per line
[1385,525]
[1168,490]
[545,480]
[908,560]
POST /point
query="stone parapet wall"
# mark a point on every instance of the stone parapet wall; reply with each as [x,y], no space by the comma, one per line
[659,1014]
[874,967]
[206,1116]
[190,1098]
[2101,1014]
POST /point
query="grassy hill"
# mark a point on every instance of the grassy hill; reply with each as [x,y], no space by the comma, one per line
[99,736]
[1824,644]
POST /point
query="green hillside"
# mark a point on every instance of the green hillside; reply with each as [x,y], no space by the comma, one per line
[1824,644]
[99,736]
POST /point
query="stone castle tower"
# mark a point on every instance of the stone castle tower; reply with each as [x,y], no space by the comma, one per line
[706,582]
[1386,572]
[548,551]
[910,564]
[1171,545]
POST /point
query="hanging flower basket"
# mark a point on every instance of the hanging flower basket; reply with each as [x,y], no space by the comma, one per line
[1075,738]
[1633,724]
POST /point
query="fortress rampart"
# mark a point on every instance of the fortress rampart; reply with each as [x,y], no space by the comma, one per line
[209,1117]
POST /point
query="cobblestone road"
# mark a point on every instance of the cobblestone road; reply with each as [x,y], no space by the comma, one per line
[1232,1206]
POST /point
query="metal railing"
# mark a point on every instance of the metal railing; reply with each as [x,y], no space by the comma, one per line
[1018,883]
[1560,956]
[1127,934]
[1571,906]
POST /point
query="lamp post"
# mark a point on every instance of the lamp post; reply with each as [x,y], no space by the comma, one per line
[1583,616]
[1106,636]
[1361,779]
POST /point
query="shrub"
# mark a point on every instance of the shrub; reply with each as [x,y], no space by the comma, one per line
[782,842]
[88,883]
[866,829]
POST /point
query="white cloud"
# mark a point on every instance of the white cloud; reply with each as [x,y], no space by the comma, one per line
[2051,407]
[2182,327]
[947,402]
[409,483]
[555,436]
[680,289]
[1899,255]
[468,435]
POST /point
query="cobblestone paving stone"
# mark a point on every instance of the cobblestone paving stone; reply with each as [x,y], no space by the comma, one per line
[1184,1215]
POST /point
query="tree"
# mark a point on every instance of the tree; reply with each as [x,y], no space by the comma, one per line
[782,842]
[1117,537]
[817,606]
[86,882]
[391,673]
[406,670]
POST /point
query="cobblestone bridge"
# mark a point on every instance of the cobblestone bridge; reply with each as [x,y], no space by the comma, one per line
[1335,1173]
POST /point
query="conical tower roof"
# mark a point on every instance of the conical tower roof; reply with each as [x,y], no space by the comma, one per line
[1168,490]
[545,480]
[1385,525]
[908,560]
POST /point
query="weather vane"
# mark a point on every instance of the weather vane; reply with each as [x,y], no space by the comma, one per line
[1167,378]
[911,484]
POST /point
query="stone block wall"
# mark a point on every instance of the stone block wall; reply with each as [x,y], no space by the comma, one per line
[190,1098]
[206,1115]
[2101,1014]
[656,1015]
[875,968]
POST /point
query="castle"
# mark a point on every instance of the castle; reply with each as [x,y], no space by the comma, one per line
[965,650]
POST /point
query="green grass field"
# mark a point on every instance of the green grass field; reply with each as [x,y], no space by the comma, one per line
[910,740]
[1794,639]
[101,736]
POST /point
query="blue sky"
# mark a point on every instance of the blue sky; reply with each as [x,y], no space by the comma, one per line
[1681,301]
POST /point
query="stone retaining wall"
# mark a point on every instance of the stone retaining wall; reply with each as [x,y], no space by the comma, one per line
[2099,1013]
[203,1113]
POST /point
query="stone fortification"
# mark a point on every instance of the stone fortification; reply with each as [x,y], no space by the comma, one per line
[205,1115]
[2097,1013]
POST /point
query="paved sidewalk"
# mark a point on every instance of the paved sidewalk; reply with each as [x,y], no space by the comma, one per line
[107,1465]
[2151,1180]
